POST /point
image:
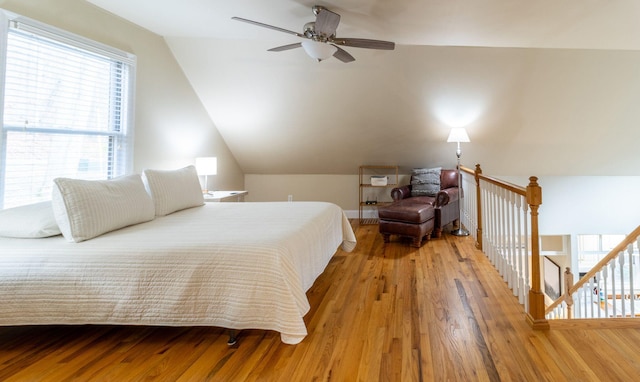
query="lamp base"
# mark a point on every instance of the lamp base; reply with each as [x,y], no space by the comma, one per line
[460,232]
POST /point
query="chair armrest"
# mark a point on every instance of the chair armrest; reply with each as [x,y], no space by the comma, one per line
[445,196]
[402,192]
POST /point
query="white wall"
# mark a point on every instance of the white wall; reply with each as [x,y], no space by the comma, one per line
[172,127]
[339,189]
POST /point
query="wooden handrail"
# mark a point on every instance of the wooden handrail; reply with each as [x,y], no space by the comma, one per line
[633,236]
[509,186]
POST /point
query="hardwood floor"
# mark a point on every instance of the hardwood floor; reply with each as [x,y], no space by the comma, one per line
[381,313]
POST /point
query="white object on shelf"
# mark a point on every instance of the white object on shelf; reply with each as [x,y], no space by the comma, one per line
[379,180]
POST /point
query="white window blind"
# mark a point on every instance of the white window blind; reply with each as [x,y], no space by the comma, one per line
[67,111]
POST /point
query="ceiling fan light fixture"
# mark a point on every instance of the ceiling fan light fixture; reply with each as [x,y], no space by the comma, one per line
[318,50]
[321,42]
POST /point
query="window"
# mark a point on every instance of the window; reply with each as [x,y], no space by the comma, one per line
[593,248]
[66,110]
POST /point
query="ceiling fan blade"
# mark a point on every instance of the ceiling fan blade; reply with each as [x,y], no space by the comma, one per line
[327,22]
[267,26]
[365,43]
[342,55]
[285,47]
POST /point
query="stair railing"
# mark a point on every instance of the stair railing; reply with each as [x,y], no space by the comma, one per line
[505,227]
[611,289]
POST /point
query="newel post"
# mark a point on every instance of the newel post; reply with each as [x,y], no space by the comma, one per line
[536,315]
[568,298]
[478,172]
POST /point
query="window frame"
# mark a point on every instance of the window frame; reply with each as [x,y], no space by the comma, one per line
[121,161]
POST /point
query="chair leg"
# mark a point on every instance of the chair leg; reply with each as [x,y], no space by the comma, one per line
[417,242]
[386,237]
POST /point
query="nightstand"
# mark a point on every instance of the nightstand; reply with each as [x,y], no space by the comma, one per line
[225,196]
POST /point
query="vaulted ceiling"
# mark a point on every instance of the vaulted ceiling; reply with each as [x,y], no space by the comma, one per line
[525,77]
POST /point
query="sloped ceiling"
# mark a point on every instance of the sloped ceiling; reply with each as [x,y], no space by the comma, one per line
[525,77]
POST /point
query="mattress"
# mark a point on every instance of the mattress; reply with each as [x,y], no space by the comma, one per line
[231,265]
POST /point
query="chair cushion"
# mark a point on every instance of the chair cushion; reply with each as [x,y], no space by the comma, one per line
[406,210]
[448,179]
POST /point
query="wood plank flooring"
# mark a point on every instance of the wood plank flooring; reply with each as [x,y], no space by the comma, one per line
[385,312]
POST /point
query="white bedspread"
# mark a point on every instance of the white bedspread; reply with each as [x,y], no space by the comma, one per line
[232,265]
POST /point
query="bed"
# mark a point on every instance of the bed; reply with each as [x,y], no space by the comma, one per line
[231,265]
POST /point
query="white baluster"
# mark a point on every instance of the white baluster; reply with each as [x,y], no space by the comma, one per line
[503,263]
[525,231]
[509,240]
[521,255]
[580,298]
[486,224]
[607,270]
[514,243]
[622,288]
[589,303]
[632,290]
[497,232]
[492,222]
[592,292]
[612,269]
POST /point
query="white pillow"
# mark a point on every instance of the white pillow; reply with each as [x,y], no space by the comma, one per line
[85,209]
[173,190]
[30,221]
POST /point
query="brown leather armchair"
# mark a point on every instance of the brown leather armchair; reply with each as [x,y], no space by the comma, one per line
[406,211]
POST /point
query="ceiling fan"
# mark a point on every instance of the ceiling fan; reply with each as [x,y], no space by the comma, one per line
[321,41]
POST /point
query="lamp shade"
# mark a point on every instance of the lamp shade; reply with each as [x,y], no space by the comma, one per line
[207,165]
[318,50]
[458,134]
